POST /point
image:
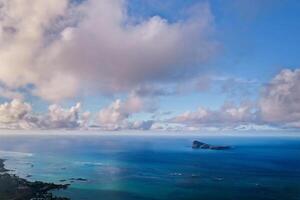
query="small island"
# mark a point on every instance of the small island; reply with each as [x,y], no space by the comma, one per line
[16,188]
[202,145]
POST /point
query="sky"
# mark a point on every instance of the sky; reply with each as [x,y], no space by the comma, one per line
[172,65]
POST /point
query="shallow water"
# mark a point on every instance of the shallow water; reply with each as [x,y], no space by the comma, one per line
[159,167]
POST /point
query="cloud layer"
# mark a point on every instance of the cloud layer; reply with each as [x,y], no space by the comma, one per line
[116,116]
[14,114]
[18,115]
[280,101]
[61,49]
[96,45]
[276,107]
[229,115]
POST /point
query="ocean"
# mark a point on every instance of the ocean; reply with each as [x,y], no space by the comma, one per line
[158,167]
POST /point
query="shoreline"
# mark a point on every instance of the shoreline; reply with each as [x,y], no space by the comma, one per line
[14,187]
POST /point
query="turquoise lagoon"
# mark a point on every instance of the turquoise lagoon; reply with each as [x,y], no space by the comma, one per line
[144,167]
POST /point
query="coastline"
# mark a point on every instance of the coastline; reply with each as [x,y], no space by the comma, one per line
[14,187]
[147,168]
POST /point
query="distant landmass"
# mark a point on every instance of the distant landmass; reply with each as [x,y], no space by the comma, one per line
[16,188]
[201,145]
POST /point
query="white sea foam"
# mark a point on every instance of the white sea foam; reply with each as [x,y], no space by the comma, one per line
[14,154]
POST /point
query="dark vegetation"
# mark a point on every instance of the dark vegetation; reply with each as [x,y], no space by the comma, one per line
[13,187]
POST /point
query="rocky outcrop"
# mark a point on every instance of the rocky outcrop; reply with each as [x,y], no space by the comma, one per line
[2,169]
[201,145]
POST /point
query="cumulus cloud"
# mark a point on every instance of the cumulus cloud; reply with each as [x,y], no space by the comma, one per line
[116,115]
[57,117]
[18,115]
[278,106]
[62,46]
[280,100]
[229,115]
[13,114]
[22,33]
[142,125]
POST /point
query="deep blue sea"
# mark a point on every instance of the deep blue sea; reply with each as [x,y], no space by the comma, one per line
[139,167]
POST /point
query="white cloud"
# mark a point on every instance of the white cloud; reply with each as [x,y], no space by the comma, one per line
[280,101]
[142,125]
[277,107]
[116,115]
[18,115]
[57,117]
[62,48]
[13,112]
[229,115]
[22,36]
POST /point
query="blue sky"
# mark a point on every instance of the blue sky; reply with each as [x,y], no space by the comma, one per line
[170,63]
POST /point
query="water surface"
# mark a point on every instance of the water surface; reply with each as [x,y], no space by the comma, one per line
[159,167]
